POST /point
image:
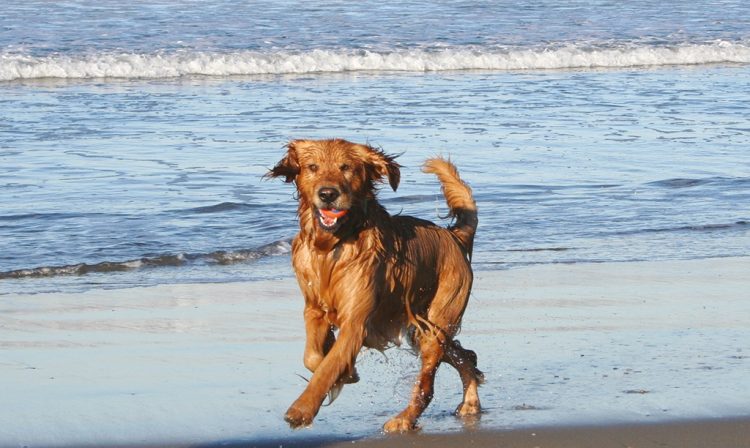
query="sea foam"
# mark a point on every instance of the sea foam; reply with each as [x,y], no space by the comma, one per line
[222,257]
[192,63]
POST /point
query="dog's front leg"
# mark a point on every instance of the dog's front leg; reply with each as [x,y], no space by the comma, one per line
[320,337]
[339,360]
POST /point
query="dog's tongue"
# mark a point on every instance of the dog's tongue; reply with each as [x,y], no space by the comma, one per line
[329,216]
[332,213]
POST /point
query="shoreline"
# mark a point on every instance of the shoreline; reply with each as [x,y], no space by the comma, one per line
[599,347]
[709,433]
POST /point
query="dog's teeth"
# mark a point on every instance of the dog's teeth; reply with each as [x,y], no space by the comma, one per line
[328,222]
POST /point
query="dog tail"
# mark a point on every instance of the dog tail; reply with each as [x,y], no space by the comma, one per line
[460,201]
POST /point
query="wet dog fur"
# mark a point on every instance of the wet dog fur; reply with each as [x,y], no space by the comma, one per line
[377,277]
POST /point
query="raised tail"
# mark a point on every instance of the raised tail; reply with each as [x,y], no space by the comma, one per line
[460,201]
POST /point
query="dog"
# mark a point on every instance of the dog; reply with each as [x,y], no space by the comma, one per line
[374,277]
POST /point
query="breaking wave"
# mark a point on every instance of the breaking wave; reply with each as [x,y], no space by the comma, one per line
[741,225]
[192,63]
[163,260]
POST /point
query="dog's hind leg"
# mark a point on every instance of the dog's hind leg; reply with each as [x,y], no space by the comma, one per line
[465,362]
[432,352]
[445,314]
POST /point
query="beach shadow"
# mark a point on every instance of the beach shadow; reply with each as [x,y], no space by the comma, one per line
[272,442]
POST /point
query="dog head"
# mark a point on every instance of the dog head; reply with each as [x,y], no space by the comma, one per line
[335,179]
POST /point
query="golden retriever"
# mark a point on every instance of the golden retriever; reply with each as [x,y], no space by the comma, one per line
[377,278]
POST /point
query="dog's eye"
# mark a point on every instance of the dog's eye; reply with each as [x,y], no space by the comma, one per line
[312,167]
[345,167]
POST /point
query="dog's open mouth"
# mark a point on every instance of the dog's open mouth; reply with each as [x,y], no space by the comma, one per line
[330,218]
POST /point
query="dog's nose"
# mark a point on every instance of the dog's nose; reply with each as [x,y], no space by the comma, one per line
[328,194]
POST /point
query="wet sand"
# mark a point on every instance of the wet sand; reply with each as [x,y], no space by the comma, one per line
[734,433]
[607,352]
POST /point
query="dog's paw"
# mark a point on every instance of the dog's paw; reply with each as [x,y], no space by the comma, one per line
[298,418]
[399,424]
[468,409]
[351,378]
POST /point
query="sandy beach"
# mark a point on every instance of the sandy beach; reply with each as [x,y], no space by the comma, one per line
[610,354]
[687,434]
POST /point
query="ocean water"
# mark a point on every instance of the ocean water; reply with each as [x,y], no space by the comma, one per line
[133,135]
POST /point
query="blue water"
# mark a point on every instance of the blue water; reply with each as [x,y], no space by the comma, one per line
[133,137]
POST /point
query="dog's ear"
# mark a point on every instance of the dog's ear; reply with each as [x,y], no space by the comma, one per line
[384,165]
[287,167]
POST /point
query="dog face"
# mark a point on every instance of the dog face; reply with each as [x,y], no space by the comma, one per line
[335,178]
